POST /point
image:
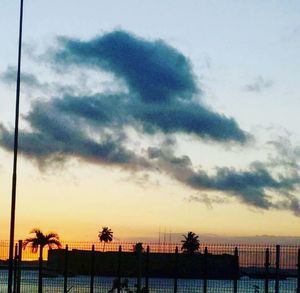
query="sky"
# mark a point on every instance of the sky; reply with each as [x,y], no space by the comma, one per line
[153,116]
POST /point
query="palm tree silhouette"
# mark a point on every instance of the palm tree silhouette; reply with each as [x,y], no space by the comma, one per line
[38,243]
[191,243]
[105,235]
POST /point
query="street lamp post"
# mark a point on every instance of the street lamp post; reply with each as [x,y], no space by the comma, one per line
[15,159]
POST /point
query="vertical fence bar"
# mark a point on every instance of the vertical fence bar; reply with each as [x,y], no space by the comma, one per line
[40,280]
[92,269]
[147,269]
[267,268]
[205,270]
[119,268]
[176,271]
[277,268]
[236,273]
[15,269]
[19,266]
[66,270]
[139,268]
[298,272]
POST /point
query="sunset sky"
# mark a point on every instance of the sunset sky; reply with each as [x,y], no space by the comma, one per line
[150,116]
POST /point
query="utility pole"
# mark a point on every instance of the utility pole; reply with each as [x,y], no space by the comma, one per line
[15,160]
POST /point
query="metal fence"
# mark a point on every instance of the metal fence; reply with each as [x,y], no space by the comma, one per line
[126,267]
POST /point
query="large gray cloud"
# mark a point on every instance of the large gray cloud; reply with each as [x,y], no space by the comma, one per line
[161,83]
[161,98]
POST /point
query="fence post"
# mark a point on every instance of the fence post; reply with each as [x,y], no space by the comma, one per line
[15,269]
[119,268]
[236,273]
[139,268]
[66,270]
[298,274]
[205,270]
[40,280]
[147,269]
[267,267]
[92,269]
[176,271]
[277,268]
[19,266]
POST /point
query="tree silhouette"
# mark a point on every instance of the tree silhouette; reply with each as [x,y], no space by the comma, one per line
[38,243]
[138,247]
[106,235]
[191,243]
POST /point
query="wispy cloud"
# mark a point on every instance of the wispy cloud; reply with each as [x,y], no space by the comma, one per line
[258,85]
[208,199]
[29,81]
[31,84]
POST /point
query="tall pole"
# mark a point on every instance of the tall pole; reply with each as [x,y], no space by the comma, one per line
[14,176]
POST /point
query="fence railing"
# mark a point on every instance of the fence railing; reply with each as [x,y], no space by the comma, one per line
[127,267]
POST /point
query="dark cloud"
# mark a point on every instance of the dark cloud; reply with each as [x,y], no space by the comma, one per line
[56,136]
[153,70]
[118,110]
[190,118]
[258,85]
[249,186]
[162,87]
[162,98]
[254,187]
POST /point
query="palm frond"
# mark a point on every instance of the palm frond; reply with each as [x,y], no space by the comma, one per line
[54,242]
[40,240]
[52,235]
